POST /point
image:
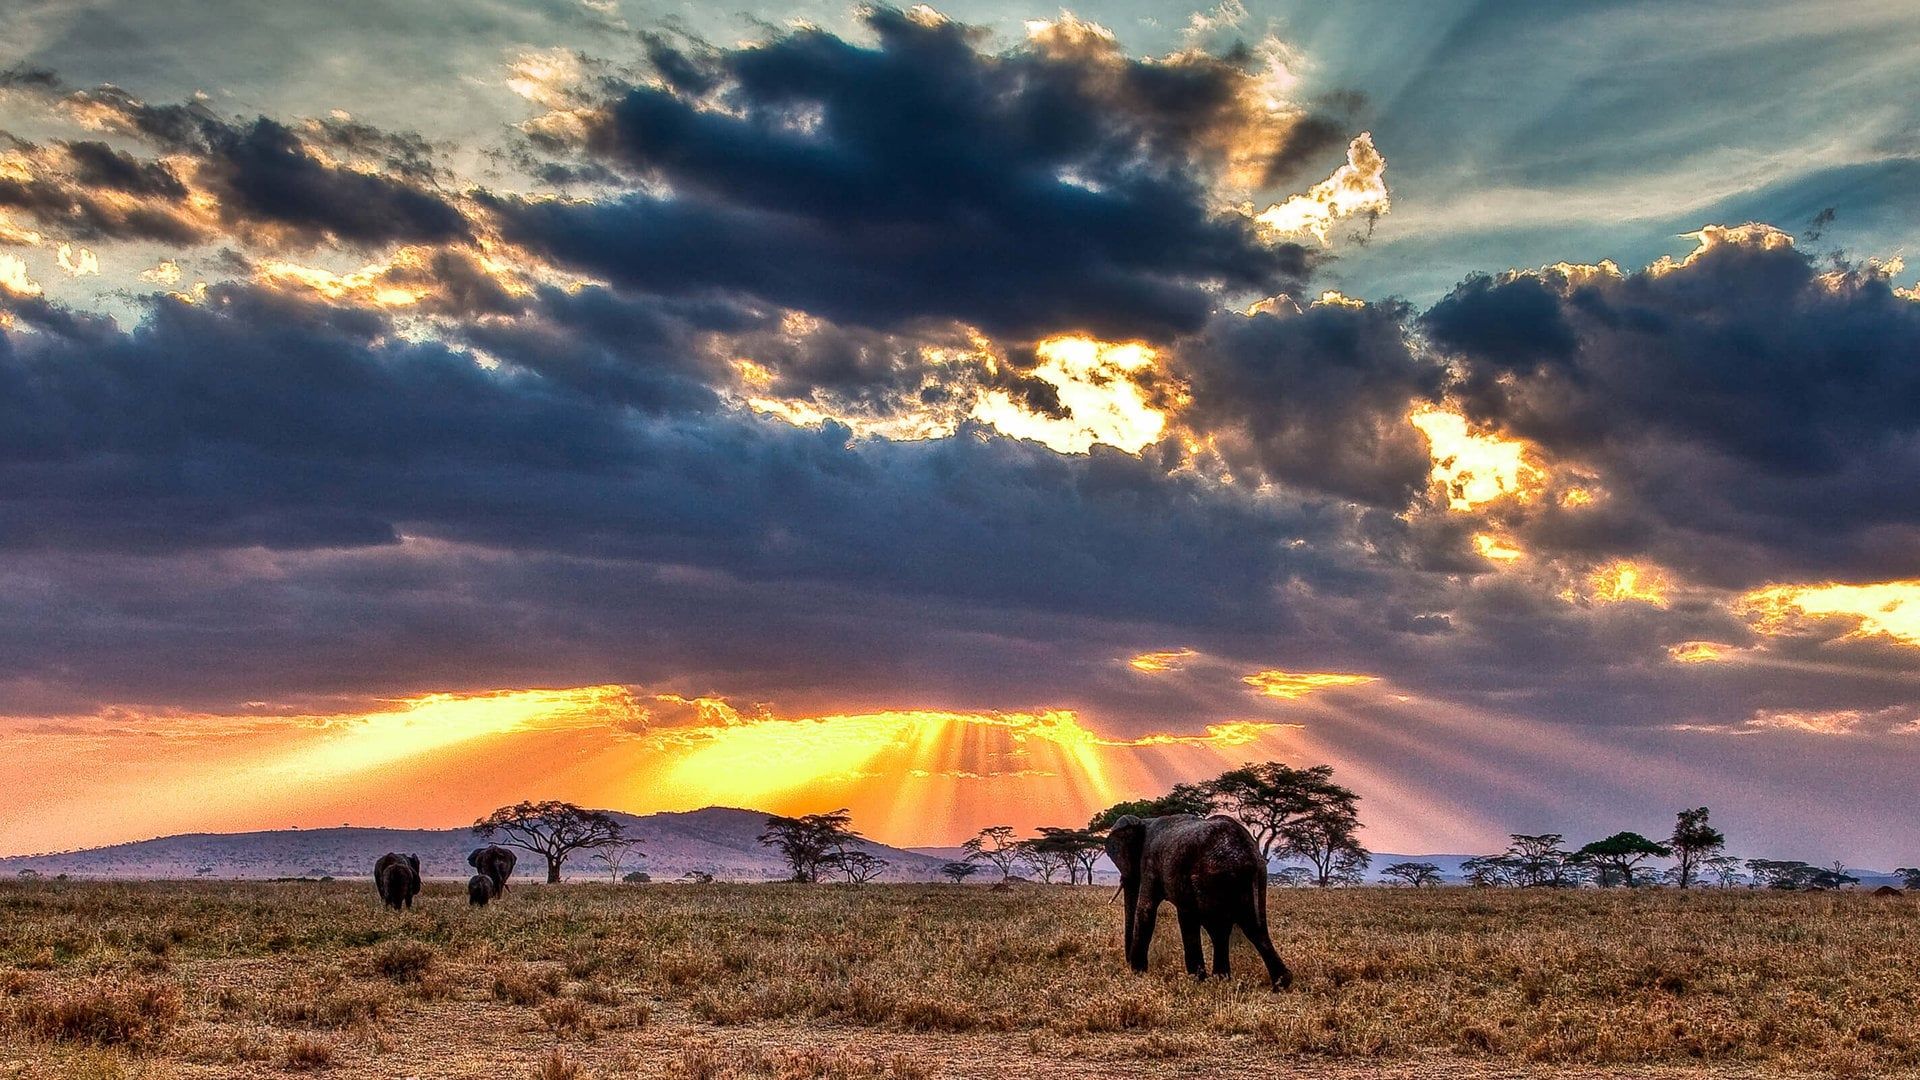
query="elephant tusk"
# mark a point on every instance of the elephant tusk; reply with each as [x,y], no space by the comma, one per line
[1116,893]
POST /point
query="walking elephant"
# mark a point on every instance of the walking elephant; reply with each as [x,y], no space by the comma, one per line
[479,890]
[496,863]
[1212,871]
[397,878]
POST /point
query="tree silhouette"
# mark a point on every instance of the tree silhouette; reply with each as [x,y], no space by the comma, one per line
[1909,877]
[1413,874]
[995,844]
[1693,841]
[959,871]
[1077,850]
[1183,799]
[859,866]
[806,841]
[1619,855]
[551,829]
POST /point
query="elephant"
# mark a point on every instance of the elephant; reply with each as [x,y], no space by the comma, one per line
[496,863]
[1212,871]
[397,877]
[479,890]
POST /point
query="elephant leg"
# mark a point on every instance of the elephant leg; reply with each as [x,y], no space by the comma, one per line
[1256,932]
[1190,942]
[1222,935]
[1144,915]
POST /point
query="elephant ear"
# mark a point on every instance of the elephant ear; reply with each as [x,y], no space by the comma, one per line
[414,861]
[473,857]
[1124,842]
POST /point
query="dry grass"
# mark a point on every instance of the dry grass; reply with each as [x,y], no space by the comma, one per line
[205,979]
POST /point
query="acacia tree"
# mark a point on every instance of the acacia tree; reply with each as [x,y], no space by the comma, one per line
[1183,799]
[616,856]
[1042,858]
[551,829]
[1539,860]
[1693,842]
[995,844]
[1909,877]
[859,866]
[1325,838]
[1491,870]
[1725,870]
[959,871]
[1413,874]
[1619,855]
[1077,850]
[806,841]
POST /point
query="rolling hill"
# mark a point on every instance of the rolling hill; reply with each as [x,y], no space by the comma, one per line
[721,841]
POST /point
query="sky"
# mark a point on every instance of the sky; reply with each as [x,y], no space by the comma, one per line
[963,416]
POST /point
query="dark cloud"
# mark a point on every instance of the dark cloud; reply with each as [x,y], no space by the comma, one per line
[266,180]
[1043,189]
[1751,416]
[1316,399]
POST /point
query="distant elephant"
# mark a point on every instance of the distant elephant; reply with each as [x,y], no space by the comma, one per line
[397,877]
[496,863]
[1212,871]
[479,890]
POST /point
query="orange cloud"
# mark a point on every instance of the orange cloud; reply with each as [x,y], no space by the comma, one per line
[1293,685]
[438,760]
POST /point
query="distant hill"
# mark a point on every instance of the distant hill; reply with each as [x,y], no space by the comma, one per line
[718,840]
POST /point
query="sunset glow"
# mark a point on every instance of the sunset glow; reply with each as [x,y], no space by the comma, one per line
[1889,608]
[1293,685]
[964,415]
[1474,468]
[1096,384]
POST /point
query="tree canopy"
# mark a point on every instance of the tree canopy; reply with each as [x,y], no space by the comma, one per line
[551,829]
[808,840]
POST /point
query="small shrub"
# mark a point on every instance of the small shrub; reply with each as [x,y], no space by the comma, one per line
[567,1016]
[525,986]
[308,1052]
[125,1012]
[403,961]
[559,1065]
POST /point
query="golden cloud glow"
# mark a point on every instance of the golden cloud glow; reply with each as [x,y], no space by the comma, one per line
[15,279]
[1752,234]
[1164,660]
[1293,685]
[909,775]
[1357,188]
[1625,580]
[14,234]
[1495,548]
[1698,652]
[77,262]
[1887,608]
[1475,468]
[166,272]
[1096,384]
[1828,722]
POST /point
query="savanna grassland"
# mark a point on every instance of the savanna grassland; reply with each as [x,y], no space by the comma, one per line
[199,979]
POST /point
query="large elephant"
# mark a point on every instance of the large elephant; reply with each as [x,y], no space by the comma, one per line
[496,863]
[397,877]
[1212,871]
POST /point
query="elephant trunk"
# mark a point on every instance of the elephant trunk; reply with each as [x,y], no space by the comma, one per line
[1132,890]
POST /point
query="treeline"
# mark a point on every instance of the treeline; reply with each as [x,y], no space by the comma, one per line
[1697,848]
[1303,816]
[1294,814]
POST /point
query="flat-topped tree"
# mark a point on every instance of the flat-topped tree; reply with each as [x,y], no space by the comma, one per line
[550,829]
[1620,855]
[808,841]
